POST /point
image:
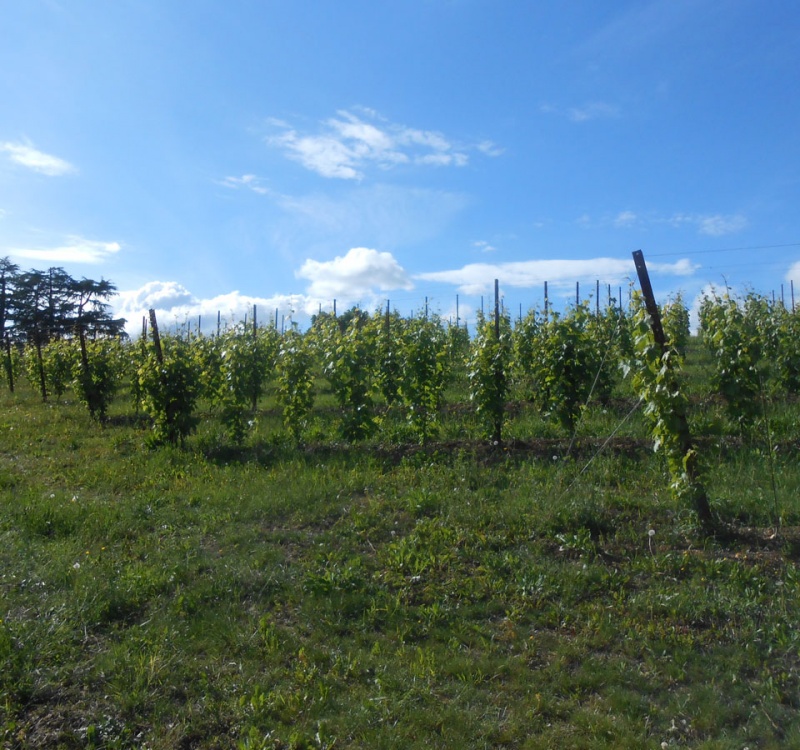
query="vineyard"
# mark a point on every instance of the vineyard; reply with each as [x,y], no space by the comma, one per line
[382,379]
[387,531]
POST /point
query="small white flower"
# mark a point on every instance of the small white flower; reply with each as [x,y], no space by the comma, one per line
[651,533]
[76,566]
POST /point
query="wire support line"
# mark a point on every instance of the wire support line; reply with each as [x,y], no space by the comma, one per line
[603,446]
[591,390]
[722,250]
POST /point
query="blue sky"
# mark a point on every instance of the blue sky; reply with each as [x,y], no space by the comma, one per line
[207,156]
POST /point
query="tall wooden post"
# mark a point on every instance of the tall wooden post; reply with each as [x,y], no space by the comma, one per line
[496,309]
[156,337]
[700,498]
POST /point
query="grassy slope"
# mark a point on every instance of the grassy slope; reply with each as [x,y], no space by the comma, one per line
[385,598]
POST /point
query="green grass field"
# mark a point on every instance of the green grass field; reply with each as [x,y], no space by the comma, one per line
[384,595]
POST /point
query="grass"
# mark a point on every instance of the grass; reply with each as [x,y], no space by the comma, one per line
[391,596]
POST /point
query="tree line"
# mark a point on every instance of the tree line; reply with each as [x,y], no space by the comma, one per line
[40,307]
[37,307]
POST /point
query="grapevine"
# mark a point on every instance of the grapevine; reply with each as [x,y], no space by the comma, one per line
[295,380]
[488,370]
[169,382]
[423,374]
[347,357]
[656,379]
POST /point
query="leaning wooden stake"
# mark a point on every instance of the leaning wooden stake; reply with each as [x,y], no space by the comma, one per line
[700,498]
[156,337]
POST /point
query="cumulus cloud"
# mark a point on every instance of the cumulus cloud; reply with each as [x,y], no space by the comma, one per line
[793,274]
[176,306]
[347,144]
[163,295]
[74,250]
[27,156]
[477,278]
[361,272]
[357,276]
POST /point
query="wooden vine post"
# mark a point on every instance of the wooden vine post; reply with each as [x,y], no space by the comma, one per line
[700,498]
[499,373]
[156,337]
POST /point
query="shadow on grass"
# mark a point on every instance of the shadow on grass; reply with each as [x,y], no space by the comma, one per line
[270,452]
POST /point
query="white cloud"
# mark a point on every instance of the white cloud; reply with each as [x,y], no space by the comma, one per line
[323,155]
[249,181]
[164,295]
[348,144]
[490,148]
[443,160]
[583,113]
[27,156]
[625,219]
[484,246]
[714,225]
[175,306]
[476,278]
[793,274]
[593,111]
[75,250]
[361,272]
